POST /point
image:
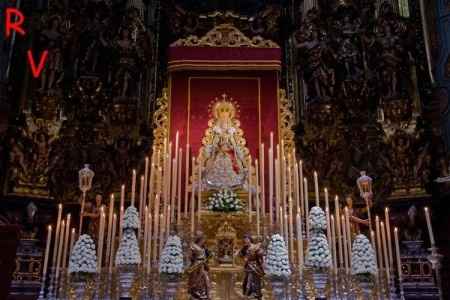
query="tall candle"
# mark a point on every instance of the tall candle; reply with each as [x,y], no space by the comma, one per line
[113,240]
[299,243]
[339,229]
[282,224]
[385,252]
[333,242]
[316,188]
[327,212]
[262,182]
[173,204]
[257,199]
[179,167]
[249,200]
[155,233]
[277,192]
[110,220]
[145,234]
[291,228]
[149,243]
[151,184]
[344,236]
[60,247]
[161,233]
[133,187]
[286,235]
[101,238]
[271,183]
[306,207]
[430,228]
[192,202]
[296,187]
[372,238]
[199,199]
[47,251]
[145,180]
[186,182]
[55,245]
[66,242]
[302,193]
[397,252]
[72,241]
[349,236]
[141,204]
[379,244]
[120,222]
[389,240]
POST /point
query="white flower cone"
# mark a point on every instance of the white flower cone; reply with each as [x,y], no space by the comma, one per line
[128,252]
[277,259]
[83,258]
[363,257]
[171,261]
[318,253]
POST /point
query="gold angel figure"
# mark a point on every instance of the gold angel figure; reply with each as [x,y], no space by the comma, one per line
[223,153]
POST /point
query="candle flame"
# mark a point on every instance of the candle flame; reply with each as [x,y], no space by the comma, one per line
[49,227]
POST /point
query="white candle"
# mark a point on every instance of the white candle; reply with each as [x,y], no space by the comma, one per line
[151,183]
[316,188]
[297,188]
[262,182]
[199,199]
[291,229]
[145,180]
[385,252]
[179,167]
[339,229]
[333,242]
[397,251]
[282,224]
[161,233]
[141,205]
[72,241]
[379,243]
[60,247]
[155,231]
[101,239]
[186,182]
[120,222]
[133,187]
[349,236]
[327,211]
[430,228]
[121,209]
[55,245]
[302,193]
[258,216]
[145,233]
[344,236]
[66,242]
[174,188]
[192,202]
[113,239]
[299,243]
[306,207]
[110,220]
[271,182]
[389,239]
[372,238]
[47,251]
[149,244]
[249,200]
[277,192]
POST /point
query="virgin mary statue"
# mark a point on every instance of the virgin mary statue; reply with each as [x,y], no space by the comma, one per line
[223,153]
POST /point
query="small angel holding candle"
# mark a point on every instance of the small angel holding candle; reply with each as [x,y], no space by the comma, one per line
[92,212]
[199,285]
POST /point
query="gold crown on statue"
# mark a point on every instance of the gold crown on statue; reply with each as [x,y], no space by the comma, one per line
[224,105]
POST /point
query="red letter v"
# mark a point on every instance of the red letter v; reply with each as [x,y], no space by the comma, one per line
[37,70]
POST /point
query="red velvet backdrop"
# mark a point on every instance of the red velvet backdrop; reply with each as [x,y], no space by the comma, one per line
[256,93]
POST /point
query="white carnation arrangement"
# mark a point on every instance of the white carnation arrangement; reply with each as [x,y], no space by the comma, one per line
[131,218]
[171,261]
[363,257]
[128,251]
[318,253]
[224,201]
[277,259]
[317,219]
[83,259]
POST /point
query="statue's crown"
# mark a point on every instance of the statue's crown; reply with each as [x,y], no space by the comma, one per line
[225,104]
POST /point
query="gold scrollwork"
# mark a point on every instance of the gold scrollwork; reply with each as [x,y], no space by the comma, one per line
[225,35]
[161,120]
[287,121]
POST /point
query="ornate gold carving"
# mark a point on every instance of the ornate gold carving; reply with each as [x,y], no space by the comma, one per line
[286,120]
[226,241]
[225,35]
[161,120]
